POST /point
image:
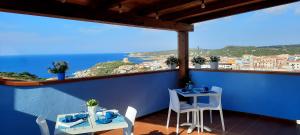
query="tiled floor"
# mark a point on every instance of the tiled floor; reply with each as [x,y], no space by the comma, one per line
[236,124]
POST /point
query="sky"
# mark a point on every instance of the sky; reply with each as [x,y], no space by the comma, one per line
[32,35]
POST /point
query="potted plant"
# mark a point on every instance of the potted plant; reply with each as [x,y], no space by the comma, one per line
[189,85]
[92,105]
[214,62]
[198,61]
[59,68]
[172,62]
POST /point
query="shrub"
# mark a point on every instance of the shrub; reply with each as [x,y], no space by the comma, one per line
[58,67]
[198,60]
[214,58]
[172,60]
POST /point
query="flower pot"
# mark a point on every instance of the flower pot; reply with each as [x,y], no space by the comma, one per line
[197,66]
[214,65]
[92,112]
[172,66]
[190,86]
[61,76]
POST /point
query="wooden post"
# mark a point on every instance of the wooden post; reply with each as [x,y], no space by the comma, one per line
[183,56]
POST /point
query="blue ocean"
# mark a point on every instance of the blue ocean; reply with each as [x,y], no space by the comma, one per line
[38,64]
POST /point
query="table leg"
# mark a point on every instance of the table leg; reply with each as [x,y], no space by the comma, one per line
[194,123]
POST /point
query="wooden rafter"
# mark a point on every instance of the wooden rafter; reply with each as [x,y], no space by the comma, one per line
[159,6]
[210,8]
[103,5]
[236,10]
[77,12]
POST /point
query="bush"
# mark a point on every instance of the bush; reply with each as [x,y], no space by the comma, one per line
[214,58]
[198,60]
[172,60]
[58,67]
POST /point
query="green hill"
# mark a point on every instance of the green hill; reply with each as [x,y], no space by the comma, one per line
[20,76]
[236,51]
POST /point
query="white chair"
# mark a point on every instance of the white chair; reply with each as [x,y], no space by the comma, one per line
[130,118]
[214,104]
[178,107]
[43,125]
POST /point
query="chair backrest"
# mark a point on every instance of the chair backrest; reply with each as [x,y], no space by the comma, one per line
[216,100]
[130,118]
[43,125]
[174,100]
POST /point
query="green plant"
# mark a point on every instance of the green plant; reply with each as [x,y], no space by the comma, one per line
[172,60]
[198,60]
[189,83]
[92,102]
[214,58]
[58,67]
[20,76]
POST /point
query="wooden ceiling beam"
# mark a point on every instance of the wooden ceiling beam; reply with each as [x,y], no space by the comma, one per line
[103,5]
[210,8]
[76,12]
[159,6]
[236,10]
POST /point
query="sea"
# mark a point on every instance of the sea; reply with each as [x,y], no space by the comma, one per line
[39,64]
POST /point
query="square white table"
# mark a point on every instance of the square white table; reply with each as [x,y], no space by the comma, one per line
[195,95]
[89,126]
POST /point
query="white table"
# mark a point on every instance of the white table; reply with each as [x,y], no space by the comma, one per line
[195,95]
[89,126]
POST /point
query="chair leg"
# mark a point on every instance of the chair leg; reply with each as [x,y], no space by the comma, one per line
[201,117]
[210,113]
[188,117]
[168,119]
[177,125]
[222,119]
[198,122]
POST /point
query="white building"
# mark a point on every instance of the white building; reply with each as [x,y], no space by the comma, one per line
[294,65]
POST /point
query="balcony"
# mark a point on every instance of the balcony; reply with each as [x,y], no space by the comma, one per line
[254,102]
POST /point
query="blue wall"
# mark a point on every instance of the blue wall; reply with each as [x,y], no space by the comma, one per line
[272,95]
[19,106]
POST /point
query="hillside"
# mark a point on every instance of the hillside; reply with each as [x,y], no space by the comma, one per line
[235,51]
[109,68]
[25,76]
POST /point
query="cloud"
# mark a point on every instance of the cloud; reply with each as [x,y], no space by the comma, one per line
[297,11]
[8,25]
[149,30]
[28,38]
[98,29]
[297,8]
[276,10]
[209,22]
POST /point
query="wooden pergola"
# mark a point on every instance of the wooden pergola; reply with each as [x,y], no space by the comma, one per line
[175,15]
